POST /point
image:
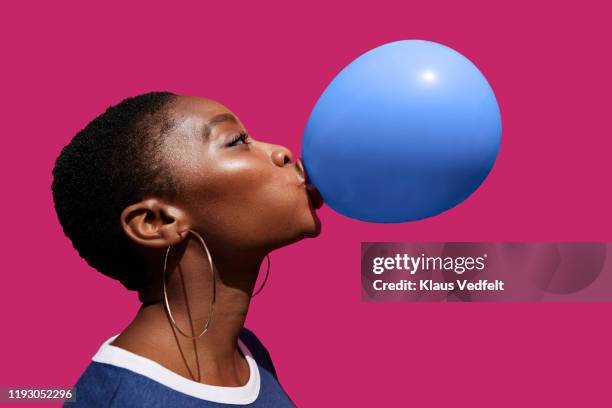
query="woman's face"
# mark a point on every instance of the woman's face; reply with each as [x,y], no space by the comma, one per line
[238,192]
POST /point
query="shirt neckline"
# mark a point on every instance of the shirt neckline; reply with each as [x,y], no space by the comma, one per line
[242,395]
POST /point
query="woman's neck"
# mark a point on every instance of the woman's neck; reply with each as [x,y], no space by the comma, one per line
[189,290]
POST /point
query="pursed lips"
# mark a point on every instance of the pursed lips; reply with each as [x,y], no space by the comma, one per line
[313,194]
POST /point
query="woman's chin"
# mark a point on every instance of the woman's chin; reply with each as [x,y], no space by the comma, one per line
[314,228]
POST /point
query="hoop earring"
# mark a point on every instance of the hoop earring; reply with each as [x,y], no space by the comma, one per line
[265,279]
[212,301]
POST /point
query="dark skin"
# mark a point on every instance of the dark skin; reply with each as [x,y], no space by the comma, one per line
[245,198]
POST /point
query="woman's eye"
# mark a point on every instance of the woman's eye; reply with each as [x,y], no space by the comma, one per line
[240,138]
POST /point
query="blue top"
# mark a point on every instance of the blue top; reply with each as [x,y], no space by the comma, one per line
[119,378]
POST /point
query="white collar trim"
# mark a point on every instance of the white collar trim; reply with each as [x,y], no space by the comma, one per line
[246,394]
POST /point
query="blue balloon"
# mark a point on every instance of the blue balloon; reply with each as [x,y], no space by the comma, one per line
[406,131]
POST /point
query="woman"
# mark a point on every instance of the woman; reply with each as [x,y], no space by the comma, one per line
[169,195]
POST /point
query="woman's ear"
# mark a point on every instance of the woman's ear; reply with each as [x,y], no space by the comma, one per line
[154,224]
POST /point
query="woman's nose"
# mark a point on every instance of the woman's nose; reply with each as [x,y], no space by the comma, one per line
[281,156]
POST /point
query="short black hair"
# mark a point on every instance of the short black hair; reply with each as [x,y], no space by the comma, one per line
[112,163]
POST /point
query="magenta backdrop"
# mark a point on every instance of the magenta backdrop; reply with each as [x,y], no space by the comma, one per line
[549,65]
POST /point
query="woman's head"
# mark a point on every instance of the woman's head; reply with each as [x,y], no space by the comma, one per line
[140,175]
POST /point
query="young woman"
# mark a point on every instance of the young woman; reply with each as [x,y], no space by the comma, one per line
[170,195]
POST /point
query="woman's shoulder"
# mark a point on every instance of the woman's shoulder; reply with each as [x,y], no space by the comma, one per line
[258,350]
[98,383]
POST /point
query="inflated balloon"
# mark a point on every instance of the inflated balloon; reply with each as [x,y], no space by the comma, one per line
[406,131]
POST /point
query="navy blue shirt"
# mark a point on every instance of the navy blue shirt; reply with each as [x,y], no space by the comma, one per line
[119,378]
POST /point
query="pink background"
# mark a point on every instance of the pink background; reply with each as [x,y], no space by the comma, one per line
[549,65]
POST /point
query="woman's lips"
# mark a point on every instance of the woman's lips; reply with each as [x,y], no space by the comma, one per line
[315,196]
[311,190]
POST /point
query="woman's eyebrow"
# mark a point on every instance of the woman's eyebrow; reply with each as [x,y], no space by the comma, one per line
[215,120]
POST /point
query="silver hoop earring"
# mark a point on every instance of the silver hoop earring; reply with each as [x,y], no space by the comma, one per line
[265,279]
[212,299]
